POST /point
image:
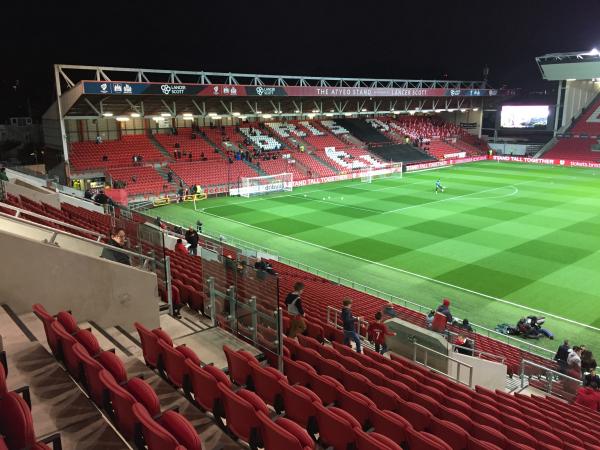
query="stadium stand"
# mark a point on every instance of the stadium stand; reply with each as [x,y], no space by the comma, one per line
[212,174]
[326,391]
[141,180]
[188,142]
[89,155]
[260,140]
[575,148]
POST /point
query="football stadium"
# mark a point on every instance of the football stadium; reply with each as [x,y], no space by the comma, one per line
[196,259]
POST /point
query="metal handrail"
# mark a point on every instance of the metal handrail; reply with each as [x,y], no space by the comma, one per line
[493,334]
[56,232]
[474,352]
[336,312]
[550,374]
[20,211]
[449,358]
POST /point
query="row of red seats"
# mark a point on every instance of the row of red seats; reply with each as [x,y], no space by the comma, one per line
[131,403]
[579,149]
[197,146]
[320,293]
[89,155]
[428,401]
[588,122]
[141,180]
[212,173]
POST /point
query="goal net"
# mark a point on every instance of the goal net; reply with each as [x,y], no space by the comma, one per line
[251,186]
[385,171]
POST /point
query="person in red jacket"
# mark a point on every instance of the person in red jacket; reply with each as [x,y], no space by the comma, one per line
[377,332]
[589,396]
[180,247]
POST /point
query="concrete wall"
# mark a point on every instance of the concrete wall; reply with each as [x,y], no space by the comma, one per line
[92,288]
[578,96]
[488,374]
[457,117]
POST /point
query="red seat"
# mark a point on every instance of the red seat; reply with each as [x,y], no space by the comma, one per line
[427,402]
[168,432]
[456,417]
[425,441]
[452,434]
[299,404]
[122,398]
[385,398]
[390,424]
[418,416]
[266,385]
[297,372]
[47,320]
[400,389]
[356,382]
[66,342]
[358,405]
[325,387]
[241,409]
[173,361]
[545,437]
[309,356]
[476,444]
[337,428]
[150,348]
[439,322]
[92,367]
[374,441]
[16,424]
[204,386]
[239,366]
[283,434]
[488,434]
[333,369]
[67,320]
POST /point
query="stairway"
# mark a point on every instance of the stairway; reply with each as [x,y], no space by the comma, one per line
[163,172]
[256,168]
[160,148]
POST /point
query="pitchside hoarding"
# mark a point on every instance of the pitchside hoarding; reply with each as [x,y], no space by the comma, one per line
[230,90]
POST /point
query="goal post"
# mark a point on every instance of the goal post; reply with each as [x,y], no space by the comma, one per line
[384,171]
[250,186]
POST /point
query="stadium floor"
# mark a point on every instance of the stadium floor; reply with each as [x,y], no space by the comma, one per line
[503,237]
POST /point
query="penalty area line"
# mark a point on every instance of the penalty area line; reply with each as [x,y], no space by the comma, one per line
[397,269]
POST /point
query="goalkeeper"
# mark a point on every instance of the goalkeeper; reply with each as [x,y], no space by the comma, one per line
[438,186]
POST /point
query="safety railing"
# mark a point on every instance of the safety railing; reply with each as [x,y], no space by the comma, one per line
[548,380]
[479,353]
[249,247]
[20,211]
[333,314]
[146,261]
[459,364]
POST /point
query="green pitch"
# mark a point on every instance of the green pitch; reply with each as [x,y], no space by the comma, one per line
[503,236]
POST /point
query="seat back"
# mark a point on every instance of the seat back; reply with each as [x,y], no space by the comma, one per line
[439,322]
[239,412]
[121,402]
[297,372]
[16,423]
[66,342]
[149,341]
[155,435]
[276,437]
[299,403]
[47,320]
[91,368]
[239,367]
[374,441]
[336,428]
[390,424]
[173,361]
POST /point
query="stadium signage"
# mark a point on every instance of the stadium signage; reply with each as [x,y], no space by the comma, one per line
[228,90]
[446,162]
[546,161]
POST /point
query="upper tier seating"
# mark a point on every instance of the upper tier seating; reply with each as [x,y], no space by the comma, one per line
[579,149]
[281,165]
[140,180]
[87,155]
[212,173]
[589,121]
[352,159]
[260,140]
[196,147]
[334,127]
[285,129]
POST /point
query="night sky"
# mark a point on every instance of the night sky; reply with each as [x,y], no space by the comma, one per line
[419,39]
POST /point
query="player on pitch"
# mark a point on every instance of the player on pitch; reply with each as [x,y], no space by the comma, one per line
[438,186]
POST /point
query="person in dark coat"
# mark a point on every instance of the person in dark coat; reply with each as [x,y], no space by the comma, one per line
[192,238]
[444,309]
[561,356]
[88,194]
[117,240]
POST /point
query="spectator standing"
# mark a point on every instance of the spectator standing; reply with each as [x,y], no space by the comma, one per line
[180,247]
[464,346]
[389,310]
[293,302]
[444,309]
[429,318]
[348,322]
[377,332]
[588,363]
[192,238]
[3,175]
[574,359]
[562,354]
[117,240]
[88,194]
